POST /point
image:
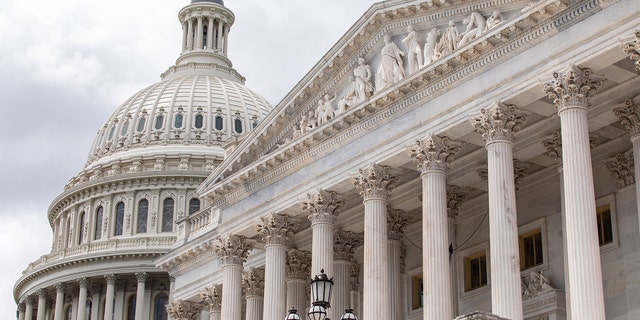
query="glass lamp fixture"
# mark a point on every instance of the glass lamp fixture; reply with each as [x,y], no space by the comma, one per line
[349,315]
[321,287]
[293,315]
[317,312]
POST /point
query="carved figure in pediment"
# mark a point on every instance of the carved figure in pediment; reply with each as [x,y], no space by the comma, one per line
[449,40]
[304,125]
[432,50]
[538,285]
[319,112]
[414,51]
[348,100]
[476,25]
[328,108]
[391,69]
[494,19]
[362,84]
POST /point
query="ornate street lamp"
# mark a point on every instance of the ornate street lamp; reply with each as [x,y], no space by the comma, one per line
[321,287]
[317,313]
[349,315]
[293,315]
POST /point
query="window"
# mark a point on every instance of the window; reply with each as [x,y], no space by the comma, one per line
[198,122]
[113,129]
[177,121]
[605,225]
[167,215]
[81,228]
[219,123]
[159,122]
[475,271]
[141,123]
[417,292]
[530,249]
[194,205]
[160,310]
[143,212]
[237,126]
[98,226]
[119,219]
[131,308]
[125,127]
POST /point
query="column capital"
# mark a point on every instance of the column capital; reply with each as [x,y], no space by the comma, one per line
[59,287]
[554,147]
[632,49]
[141,276]
[30,300]
[42,292]
[572,87]
[498,122]
[212,296]
[629,116]
[621,168]
[253,282]
[455,197]
[110,278]
[232,249]
[433,153]
[298,264]
[345,244]
[22,307]
[82,282]
[277,229]
[397,221]
[322,206]
[184,310]
[374,181]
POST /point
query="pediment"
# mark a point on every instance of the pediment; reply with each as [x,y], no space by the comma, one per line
[460,37]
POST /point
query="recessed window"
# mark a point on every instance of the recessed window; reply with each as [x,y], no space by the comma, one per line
[119,219]
[254,125]
[198,122]
[167,215]
[219,123]
[237,126]
[143,213]
[141,123]
[111,132]
[81,227]
[475,271]
[605,224]
[159,122]
[160,310]
[98,226]
[131,308]
[530,249]
[177,121]
[417,292]
[125,127]
[194,205]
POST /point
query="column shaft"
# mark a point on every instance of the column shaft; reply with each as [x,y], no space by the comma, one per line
[322,246]
[226,38]
[435,244]
[396,304]
[635,140]
[199,34]
[453,270]
[82,300]
[376,257]
[59,309]
[108,302]
[20,314]
[190,34]
[232,292]
[255,305]
[219,36]
[275,290]
[210,34]
[42,304]
[28,314]
[341,288]
[140,296]
[296,294]
[185,35]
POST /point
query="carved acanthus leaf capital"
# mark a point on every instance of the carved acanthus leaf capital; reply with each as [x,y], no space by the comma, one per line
[212,296]
[232,249]
[554,147]
[277,229]
[632,49]
[433,153]
[82,282]
[345,244]
[629,117]
[397,221]
[184,310]
[622,168]
[455,197]
[520,170]
[110,278]
[499,121]
[141,276]
[572,87]
[42,293]
[253,282]
[59,287]
[298,264]
[375,181]
[322,205]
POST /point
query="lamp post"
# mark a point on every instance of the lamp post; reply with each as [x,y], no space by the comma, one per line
[321,286]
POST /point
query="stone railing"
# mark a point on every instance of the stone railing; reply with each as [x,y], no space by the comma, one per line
[196,224]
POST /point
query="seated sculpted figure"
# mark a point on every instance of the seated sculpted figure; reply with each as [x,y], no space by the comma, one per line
[348,100]
[391,69]
[476,25]
[362,77]
[494,20]
[414,52]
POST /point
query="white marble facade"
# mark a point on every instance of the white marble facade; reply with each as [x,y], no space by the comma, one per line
[522,119]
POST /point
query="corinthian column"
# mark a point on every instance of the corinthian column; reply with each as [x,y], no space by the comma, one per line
[140,303]
[59,309]
[82,299]
[374,183]
[184,310]
[433,156]
[212,297]
[108,303]
[345,245]
[29,307]
[571,91]
[253,286]
[276,230]
[42,303]
[298,271]
[629,117]
[498,124]
[397,221]
[21,311]
[233,251]
[323,207]
[455,197]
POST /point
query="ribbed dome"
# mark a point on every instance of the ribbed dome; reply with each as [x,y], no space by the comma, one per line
[183,114]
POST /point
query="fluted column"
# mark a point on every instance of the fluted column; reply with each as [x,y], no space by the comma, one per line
[571,91]
[345,245]
[82,299]
[42,303]
[226,38]
[298,271]
[210,29]
[28,314]
[324,208]
[374,183]
[233,251]
[219,37]
[397,221]
[185,35]
[141,277]
[212,297]
[355,287]
[498,124]
[253,284]
[59,308]
[108,303]
[433,156]
[455,197]
[629,117]
[277,231]
[184,310]
[189,34]
[199,34]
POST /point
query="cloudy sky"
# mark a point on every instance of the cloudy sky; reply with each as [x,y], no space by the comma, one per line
[65,65]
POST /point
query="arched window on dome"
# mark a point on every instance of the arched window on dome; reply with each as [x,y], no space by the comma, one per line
[160,311]
[167,215]
[159,123]
[81,227]
[69,236]
[141,122]
[131,308]
[111,132]
[219,122]
[237,125]
[125,127]
[119,219]
[97,229]
[198,121]
[194,205]
[143,213]
[177,120]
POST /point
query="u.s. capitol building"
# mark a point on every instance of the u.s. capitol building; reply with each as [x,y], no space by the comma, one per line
[444,160]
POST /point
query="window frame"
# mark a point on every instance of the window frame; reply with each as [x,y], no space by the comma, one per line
[138,217]
[461,265]
[527,228]
[116,216]
[610,200]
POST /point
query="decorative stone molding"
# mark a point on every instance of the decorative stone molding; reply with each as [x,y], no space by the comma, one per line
[538,285]
[397,221]
[622,168]
[212,297]
[498,122]
[184,310]
[141,277]
[277,229]
[572,87]
[629,115]
[232,249]
[455,197]
[298,264]
[632,49]
[374,181]
[345,244]
[433,153]
[82,282]
[253,282]
[323,205]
